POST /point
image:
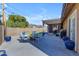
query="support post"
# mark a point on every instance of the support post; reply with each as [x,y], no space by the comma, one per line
[3,17]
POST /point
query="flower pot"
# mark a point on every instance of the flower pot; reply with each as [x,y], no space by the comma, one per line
[7,38]
[66,38]
[3,53]
[69,44]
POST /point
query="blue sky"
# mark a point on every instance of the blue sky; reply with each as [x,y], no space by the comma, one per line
[35,12]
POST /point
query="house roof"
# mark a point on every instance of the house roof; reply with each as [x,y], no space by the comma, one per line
[67,7]
[52,21]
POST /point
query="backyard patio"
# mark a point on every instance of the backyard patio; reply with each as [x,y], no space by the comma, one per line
[43,46]
[14,48]
[53,46]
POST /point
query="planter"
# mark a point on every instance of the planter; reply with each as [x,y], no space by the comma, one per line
[66,38]
[3,53]
[7,38]
[69,43]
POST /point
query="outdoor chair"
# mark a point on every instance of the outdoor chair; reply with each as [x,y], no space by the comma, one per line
[22,41]
[24,37]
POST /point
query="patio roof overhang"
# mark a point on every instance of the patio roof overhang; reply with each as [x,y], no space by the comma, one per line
[52,21]
[67,7]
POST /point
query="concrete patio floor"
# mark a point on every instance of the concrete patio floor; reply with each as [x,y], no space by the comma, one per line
[14,48]
[43,46]
[53,46]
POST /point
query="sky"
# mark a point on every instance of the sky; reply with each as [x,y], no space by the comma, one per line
[35,12]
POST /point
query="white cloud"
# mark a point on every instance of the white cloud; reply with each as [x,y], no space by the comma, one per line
[6,5]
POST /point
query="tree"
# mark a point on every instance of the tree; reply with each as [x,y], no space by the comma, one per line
[17,21]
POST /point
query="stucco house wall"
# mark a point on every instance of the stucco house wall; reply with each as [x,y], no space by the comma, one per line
[65,24]
[77,6]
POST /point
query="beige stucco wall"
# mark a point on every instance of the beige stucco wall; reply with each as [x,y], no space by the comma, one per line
[77,31]
[17,31]
[1,34]
[77,27]
[65,24]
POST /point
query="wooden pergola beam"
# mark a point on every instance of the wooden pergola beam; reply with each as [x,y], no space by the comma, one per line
[3,17]
[3,14]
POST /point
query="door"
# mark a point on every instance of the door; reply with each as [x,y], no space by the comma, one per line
[72,29]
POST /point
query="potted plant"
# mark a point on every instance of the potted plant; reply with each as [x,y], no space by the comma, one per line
[69,43]
[7,38]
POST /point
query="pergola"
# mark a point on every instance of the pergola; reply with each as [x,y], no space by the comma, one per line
[52,24]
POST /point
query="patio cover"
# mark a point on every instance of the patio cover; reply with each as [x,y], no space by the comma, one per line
[52,21]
